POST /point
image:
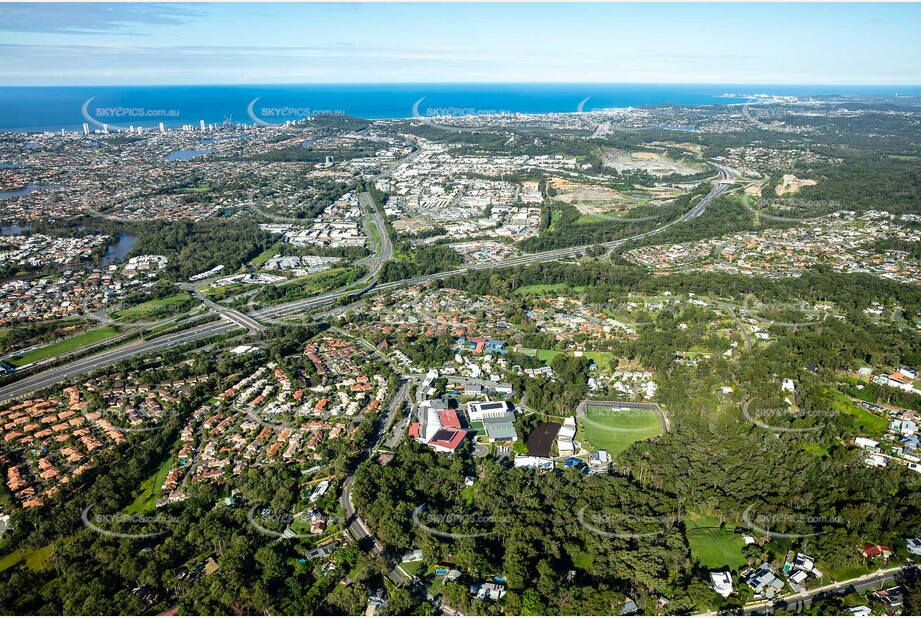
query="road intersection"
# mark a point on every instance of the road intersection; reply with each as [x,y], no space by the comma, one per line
[234,320]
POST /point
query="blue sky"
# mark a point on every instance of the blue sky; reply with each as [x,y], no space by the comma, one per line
[115,44]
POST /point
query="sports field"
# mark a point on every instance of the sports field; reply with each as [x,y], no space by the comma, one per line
[608,428]
[67,345]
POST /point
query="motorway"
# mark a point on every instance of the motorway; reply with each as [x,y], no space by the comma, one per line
[109,357]
[232,315]
[252,320]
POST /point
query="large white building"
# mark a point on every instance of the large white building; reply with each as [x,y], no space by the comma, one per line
[481,410]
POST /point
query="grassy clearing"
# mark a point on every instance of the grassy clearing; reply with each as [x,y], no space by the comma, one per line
[816,449]
[36,559]
[266,255]
[376,240]
[613,430]
[863,421]
[155,308]
[602,359]
[67,345]
[413,567]
[598,217]
[712,546]
[150,489]
[313,277]
[845,573]
[551,288]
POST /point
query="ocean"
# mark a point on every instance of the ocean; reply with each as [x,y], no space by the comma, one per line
[29,109]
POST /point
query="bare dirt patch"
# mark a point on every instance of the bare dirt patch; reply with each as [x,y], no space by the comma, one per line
[792,184]
[650,162]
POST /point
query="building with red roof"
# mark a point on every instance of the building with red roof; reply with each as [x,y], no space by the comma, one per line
[449,419]
[876,551]
[447,440]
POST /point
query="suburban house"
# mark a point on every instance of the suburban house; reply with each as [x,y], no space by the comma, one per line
[876,551]
[763,581]
[599,462]
[526,461]
[722,583]
[798,569]
[488,592]
[377,601]
[866,443]
[412,556]
[323,551]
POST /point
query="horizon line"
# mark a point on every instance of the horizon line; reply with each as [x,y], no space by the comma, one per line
[449,83]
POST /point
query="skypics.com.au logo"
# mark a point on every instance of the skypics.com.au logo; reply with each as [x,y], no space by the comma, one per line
[625,525]
[118,525]
[776,115]
[113,118]
[597,416]
[456,525]
[760,311]
[807,525]
[266,521]
[446,113]
[267,116]
[758,417]
[789,206]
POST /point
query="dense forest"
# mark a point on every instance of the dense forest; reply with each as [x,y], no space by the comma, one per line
[193,247]
[419,260]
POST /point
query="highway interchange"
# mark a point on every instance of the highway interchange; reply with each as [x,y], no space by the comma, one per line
[233,320]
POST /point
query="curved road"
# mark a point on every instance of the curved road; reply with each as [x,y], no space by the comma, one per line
[110,357]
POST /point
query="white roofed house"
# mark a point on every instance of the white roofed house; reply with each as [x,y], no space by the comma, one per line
[800,569]
[722,583]
[488,591]
[599,462]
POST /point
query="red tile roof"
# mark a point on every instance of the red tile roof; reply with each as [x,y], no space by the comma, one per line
[449,419]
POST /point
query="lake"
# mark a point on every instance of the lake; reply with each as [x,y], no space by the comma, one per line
[182,155]
[5,195]
[13,230]
[117,251]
